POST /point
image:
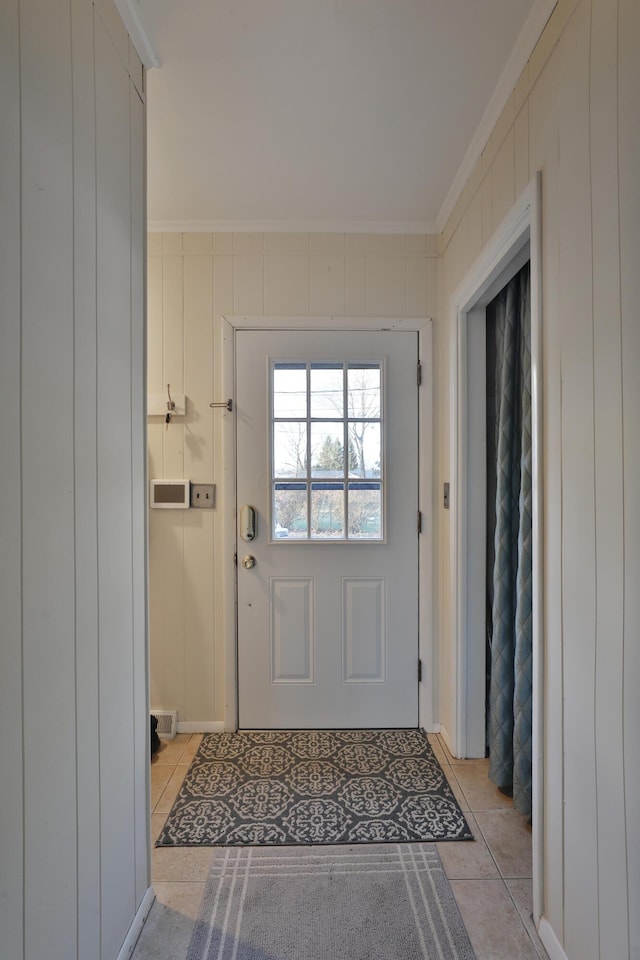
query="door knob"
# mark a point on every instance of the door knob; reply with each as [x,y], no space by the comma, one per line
[248,562]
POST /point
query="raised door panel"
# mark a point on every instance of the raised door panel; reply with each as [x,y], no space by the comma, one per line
[364,630]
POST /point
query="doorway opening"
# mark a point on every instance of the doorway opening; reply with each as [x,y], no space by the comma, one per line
[509,542]
[228,330]
[327,578]
[515,242]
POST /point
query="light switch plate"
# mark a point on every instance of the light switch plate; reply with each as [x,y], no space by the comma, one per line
[203,495]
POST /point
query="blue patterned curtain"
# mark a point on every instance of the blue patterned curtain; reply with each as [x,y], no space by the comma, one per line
[511,647]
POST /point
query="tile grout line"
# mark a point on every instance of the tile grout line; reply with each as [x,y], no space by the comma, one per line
[484,839]
[501,878]
[474,812]
[174,765]
[544,955]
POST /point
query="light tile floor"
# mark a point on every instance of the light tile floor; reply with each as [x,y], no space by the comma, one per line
[490,876]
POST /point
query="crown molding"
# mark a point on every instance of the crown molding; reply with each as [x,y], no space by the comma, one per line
[133,20]
[291,226]
[522,50]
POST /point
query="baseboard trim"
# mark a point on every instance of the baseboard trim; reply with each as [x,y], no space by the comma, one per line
[200,726]
[135,929]
[551,943]
[430,728]
[444,733]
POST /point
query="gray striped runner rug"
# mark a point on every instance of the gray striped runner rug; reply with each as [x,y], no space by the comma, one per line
[374,902]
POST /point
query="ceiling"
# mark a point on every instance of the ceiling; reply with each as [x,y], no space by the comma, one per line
[320,114]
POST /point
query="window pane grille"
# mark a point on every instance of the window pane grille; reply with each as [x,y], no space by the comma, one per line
[327,473]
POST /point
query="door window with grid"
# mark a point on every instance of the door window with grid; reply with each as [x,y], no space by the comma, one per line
[327,471]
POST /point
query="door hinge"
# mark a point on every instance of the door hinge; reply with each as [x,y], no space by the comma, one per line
[419,374]
[419,671]
[419,521]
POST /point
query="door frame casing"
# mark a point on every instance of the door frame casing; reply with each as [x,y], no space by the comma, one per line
[226,584]
[517,239]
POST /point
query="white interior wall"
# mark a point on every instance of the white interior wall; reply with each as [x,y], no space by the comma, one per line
[573,115]
[194,278]
[74,857]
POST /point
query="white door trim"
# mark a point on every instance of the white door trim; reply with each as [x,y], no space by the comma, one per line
[517,239]
[225,586]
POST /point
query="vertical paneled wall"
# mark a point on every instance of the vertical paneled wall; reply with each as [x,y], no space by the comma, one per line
[192,279]
[11,755]
[73,820]
[573,115]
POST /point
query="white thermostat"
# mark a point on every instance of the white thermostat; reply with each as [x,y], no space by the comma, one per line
[170,494]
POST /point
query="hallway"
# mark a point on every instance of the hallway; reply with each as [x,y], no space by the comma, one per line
[490,877]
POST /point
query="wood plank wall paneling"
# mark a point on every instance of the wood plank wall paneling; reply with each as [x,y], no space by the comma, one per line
[578,493]
[114,416]
[11,747]
[74,862]
[155,365]
[140,660]
[48,640]
[575,119]
[86,478]
[543,139]
[198,465]
[609,486]
[629,209]
[173,356]
[503,179]
[192,279]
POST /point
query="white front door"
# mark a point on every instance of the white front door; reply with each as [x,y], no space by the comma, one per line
[327,457]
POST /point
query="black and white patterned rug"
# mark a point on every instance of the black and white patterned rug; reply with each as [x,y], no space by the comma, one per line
[314,787]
